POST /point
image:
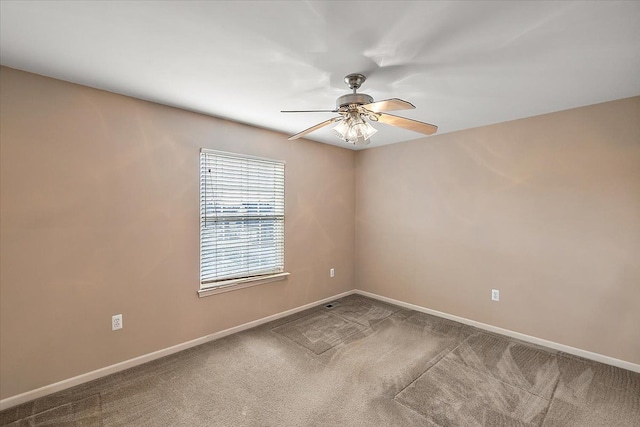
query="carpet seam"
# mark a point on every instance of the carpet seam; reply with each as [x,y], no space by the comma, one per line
[490,375]
[432,365]
[544,418]
[426,417]
[481,373]
[362,324]
[319,309]
[555,356]
[342,341]
[308,349]
[312,310]
[398,308]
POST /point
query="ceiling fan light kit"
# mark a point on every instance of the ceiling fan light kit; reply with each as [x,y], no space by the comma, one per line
[355,108]
[354,130]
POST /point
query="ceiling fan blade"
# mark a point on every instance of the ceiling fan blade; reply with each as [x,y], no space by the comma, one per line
[309,111]
[409,124]
[392,104]
[316,127]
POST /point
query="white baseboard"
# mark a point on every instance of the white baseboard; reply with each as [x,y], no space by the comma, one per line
[517,335]
[98,373]
[90,376]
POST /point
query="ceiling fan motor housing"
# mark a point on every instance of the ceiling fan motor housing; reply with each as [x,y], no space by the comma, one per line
[353,98]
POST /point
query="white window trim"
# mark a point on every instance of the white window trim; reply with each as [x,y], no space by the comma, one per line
[246,282]
[243,282]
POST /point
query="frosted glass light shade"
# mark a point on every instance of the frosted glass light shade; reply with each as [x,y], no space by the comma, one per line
[363,130]
[340,129]
[354,130]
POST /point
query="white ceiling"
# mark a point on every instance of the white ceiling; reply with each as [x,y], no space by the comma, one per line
[462,64]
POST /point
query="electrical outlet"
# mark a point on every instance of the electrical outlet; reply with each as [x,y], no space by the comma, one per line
[332,272]
[495,295]
[116,322]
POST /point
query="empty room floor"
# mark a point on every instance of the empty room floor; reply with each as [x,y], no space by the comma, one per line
[360,362]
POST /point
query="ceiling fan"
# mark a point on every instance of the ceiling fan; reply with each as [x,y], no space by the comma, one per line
[354,108]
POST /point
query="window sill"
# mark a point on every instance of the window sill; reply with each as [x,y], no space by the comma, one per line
[235,284]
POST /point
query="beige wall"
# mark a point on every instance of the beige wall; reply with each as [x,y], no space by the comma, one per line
[99,216]
[545,209]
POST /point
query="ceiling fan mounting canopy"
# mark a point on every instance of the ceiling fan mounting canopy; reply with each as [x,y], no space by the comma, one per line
[354,80]
[354,108]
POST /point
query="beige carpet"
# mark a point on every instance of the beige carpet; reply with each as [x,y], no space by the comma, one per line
[358,363]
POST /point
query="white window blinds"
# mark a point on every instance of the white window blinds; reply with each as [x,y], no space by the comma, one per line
[241,217]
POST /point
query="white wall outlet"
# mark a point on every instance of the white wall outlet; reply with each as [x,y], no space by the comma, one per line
[332,272]
[116,322]
[495,295]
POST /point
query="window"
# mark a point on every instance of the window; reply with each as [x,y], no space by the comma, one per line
[241,220]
